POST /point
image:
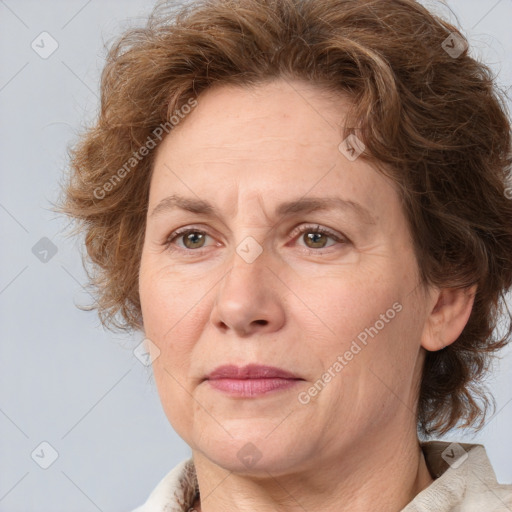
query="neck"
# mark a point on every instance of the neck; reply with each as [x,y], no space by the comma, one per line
[390,474]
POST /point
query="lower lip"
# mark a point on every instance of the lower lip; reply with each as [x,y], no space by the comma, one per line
[252,387]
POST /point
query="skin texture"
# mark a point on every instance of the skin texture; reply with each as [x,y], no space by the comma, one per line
[354,444]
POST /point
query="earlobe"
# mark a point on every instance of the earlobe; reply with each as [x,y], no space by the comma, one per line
[448,317]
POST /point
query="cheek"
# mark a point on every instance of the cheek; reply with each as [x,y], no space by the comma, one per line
[385,368]
[174,398]
[175,310]
[345,305]
[371,331]
[167,297]
[172,324]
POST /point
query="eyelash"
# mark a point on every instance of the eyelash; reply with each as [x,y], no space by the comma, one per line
[297,232]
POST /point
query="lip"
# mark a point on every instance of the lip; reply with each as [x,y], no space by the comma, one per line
[250,371]
[251,380]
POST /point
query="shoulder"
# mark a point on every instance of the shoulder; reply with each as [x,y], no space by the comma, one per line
[175,492]
[464,481]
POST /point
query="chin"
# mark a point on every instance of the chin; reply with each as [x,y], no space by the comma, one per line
[253,451]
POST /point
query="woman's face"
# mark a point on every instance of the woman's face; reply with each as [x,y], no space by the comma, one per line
[255,282]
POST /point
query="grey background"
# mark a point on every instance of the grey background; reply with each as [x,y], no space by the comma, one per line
[63,379]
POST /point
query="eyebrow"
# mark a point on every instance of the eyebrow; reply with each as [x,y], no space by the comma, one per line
[302,205]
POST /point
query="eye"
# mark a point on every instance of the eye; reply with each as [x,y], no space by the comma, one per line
[192,238]
[316,237]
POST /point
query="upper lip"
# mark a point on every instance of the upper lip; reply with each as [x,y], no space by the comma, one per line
[250,371]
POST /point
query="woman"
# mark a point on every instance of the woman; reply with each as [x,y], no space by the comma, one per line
[304,206]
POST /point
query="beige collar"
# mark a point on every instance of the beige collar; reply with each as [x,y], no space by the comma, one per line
[464,482]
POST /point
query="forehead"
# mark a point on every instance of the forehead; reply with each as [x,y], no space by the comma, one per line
[277,135]
[270,115]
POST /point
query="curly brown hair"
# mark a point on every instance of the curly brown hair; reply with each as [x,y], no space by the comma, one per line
[431,117]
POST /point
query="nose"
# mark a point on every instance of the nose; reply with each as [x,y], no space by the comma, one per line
[249,299]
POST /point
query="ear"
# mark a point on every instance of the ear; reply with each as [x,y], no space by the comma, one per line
[448,317]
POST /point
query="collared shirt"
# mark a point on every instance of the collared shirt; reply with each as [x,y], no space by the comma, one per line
[464,481]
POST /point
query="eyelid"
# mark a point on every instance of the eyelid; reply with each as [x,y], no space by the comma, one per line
[180,232]
[302,228]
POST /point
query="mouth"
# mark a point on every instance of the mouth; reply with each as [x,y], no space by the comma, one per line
[251,380]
